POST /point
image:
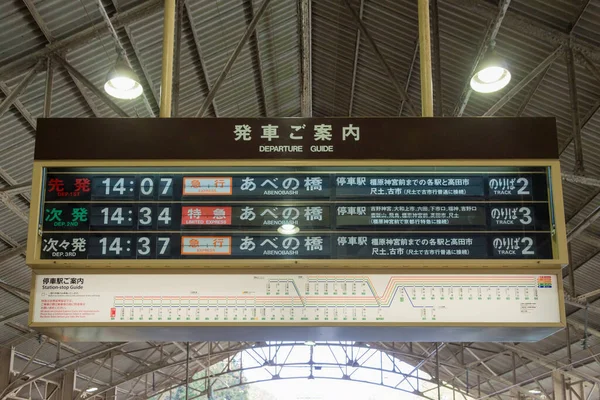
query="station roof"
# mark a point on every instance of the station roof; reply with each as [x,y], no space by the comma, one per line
[268,79]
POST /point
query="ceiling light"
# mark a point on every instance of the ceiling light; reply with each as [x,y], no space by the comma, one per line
[492,74]
[122,82]
[310,343]
[535,391]
[288,229]
[91,389]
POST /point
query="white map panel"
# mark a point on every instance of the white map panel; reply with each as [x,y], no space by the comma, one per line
[372,299]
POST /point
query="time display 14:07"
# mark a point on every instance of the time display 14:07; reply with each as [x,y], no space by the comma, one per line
[124,187]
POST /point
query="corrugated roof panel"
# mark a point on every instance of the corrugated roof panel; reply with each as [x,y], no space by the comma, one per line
[13,225]
[15,272]
[19,164]
[588,28]
[19,35]
[127,4]
[333,57]
[14,129]
[279,51]
[375,95]
[219,26]
[558,14]
[67,101]
[65,18]
[9,336]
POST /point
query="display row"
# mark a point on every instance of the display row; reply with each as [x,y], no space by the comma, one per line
[165,216]
[484,245]
[89,187]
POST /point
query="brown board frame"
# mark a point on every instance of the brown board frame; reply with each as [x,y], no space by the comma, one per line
[560,253]
[212,330]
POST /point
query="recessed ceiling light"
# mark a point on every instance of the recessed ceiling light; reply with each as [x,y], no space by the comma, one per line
[492,74]
[91,389]
[122,82]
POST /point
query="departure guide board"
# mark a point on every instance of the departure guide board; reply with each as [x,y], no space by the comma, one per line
[341,213]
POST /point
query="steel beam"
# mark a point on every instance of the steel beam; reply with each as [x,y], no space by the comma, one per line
[52,392]
[575,123]
[437,60]
[552,364]
[355,63]
[13,315]
[200,57]
[254,43]
[589,65]
[15,291]
[112,394]
[8,240]
[86,82]
[574,301]
[86,96]
[236,52]
[571,271]
[180,5]
[381,59]
[585,296]
[20,107]
[534,88]
[50,38]
[584,224]
[166,82]
[16,189]
[91,378]
[12,96]
[7,201]
[527,26]
[537,382]
[409,74]
[39,20]
[6,366]
[306,39]
[486,44]
[165,364]
[558,385]
[67,387]
[48,88]
[90,354]
[490,377]
[82,37]
[425,76]
[524,82]
[582,180]
[586,118]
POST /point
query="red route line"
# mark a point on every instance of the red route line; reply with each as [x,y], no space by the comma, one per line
[379,298]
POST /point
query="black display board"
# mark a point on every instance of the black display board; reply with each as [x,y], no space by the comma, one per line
[380,213]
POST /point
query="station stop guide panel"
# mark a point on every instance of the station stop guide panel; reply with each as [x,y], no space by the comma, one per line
[423,229]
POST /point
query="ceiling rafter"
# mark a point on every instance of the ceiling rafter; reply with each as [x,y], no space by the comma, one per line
[253,43]
[453,357]
[203,69]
